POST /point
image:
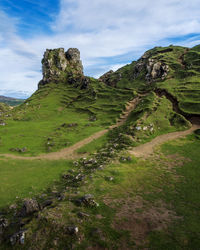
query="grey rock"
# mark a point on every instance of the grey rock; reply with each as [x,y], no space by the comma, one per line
[156,69]
[3,224]
[67,176]
[46,203]
[13,206]
[87,200]
[73,230]
[110,178]
[83,215]
[59,65]
[18,237]
[30,206]
[20,150]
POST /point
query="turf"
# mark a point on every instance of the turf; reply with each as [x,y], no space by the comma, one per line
[53,117]
[20,179]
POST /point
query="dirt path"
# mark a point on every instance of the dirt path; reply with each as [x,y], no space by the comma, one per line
[69,153]
[145,150]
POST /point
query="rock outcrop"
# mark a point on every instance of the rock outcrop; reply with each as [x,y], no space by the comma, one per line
[156,70]
[153,68]
[147,68]
[60,66]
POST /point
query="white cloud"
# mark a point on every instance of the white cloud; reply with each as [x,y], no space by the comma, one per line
[100,29]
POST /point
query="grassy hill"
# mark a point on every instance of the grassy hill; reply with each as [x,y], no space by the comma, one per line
[149,203]
[11,101]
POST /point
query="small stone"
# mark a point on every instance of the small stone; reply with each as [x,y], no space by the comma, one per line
[110,178]
[100,167]
[18,238]
[46,203]
[13,206]
[151,129]
[73,230]
[3,224]
[67,176]
[129,158]
[122,158]
[83,215]
[138,128]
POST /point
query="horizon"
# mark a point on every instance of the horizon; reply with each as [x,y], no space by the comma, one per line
[107,40]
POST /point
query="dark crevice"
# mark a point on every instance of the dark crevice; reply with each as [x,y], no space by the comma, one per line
[194,119]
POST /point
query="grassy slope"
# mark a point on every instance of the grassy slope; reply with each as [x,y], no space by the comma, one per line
[20,179]
[182,80]
[37,124]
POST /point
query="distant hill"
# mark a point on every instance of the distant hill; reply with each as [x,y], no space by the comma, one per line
[11,101]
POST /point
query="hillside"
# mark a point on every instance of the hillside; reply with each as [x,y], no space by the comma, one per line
[105,198]
[11,101]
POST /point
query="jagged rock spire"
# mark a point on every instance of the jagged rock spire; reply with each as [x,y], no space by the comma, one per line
[57,65]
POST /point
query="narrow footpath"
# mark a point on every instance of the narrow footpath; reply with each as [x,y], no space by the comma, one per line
[69,152]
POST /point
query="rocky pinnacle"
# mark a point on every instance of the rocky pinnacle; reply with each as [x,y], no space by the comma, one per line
[57,65]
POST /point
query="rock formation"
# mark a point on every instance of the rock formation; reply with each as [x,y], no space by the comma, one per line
[60,66]
[146,67]
[108,79]
[154,69]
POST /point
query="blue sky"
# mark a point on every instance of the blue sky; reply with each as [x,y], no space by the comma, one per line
[109,34]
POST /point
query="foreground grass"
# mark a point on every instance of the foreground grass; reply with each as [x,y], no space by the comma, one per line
[20,179]
[147,204]
[167,183]
[184,196]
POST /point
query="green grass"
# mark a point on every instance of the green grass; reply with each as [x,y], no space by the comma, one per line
[93,146]
[37,124]
[27,178]
[184,197]
[145,178]
[184,68]
[154,116]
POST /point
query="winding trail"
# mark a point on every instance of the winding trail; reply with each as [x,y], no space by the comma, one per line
[145,150]
[69,152]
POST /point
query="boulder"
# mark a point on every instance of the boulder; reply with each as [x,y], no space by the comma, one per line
[30,206]
[18,237]
[87,200]
[3,224]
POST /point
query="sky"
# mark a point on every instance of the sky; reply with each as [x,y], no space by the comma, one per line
[108,33]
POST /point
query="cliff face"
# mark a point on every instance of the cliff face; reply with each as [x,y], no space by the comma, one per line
[58,65]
